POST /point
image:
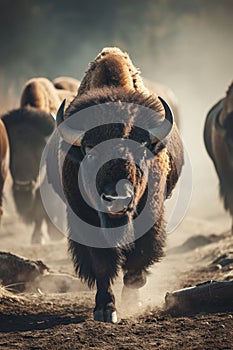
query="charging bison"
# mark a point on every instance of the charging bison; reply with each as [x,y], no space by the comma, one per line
[218,137]
[112,78]
[29,128]
[4,160]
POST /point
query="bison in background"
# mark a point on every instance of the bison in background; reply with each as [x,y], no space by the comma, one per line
[67,83]
[218,137]
[112,77]
[4,160]
[29,128]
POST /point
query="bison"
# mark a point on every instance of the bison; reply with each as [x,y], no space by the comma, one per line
[4,160]
[29,128]
[67,83]
[218,137]
[113,79]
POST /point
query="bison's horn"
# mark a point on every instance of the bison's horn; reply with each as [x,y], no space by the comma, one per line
[163,130]
[71,136]
[53,115]
[60,113]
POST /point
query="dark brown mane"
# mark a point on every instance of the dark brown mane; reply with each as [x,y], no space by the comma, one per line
[108,94]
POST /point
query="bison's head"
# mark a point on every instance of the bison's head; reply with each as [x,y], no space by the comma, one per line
[130,130]
[28,130]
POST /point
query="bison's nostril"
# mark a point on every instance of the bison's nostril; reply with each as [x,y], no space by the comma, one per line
[109,198]
[106,197]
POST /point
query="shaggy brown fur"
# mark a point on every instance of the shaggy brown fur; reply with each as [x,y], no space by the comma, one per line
[41,94]
[112,67]
[218,136]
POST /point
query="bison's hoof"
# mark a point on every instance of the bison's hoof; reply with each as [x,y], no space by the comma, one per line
[37,239]
[108,315]
[137,280]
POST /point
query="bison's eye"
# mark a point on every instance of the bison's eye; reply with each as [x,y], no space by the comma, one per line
[90,153]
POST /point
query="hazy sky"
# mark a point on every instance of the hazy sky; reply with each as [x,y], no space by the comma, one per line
[52,37]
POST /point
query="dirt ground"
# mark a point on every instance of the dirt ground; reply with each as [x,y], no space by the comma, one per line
[43,319]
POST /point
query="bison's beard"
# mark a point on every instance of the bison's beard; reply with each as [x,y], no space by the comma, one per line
[124,230]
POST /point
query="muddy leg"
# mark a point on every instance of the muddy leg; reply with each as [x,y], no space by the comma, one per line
[105,309]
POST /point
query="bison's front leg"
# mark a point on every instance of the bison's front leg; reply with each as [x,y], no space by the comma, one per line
[105,309]
[147,250]
[37,235]
[133,280]
[38,216]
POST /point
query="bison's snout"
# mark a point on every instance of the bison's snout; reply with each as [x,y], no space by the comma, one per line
[116,203]
[117,198]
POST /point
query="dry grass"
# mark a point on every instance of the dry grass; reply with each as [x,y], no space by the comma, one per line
[6,293]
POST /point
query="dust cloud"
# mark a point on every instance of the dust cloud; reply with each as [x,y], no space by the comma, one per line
[184,45]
